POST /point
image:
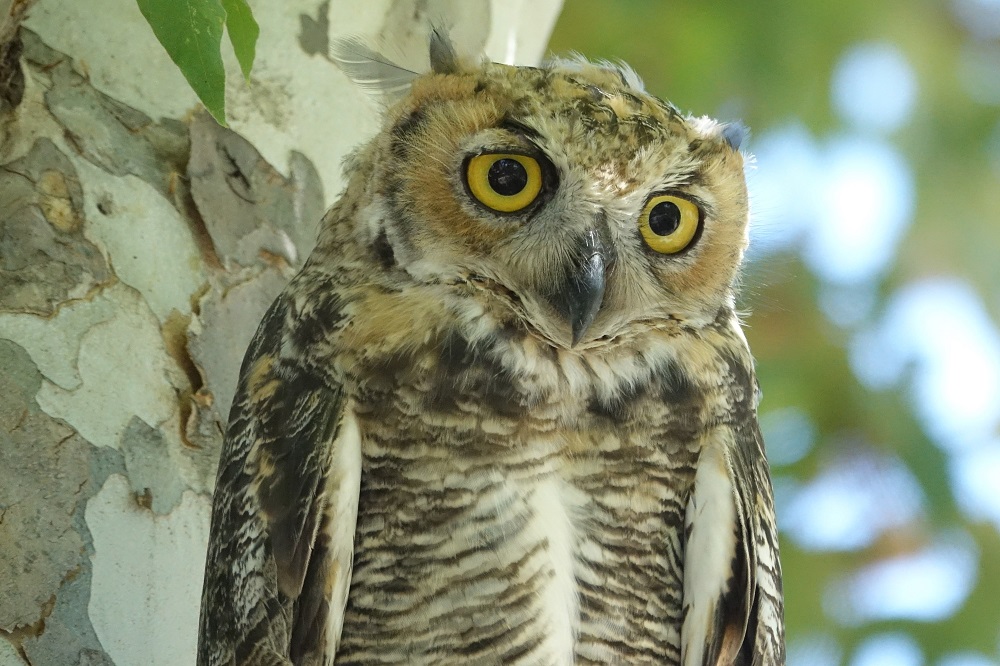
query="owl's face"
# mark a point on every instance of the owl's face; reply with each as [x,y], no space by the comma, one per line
[564,199]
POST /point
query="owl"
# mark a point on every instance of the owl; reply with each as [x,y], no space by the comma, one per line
[505,414]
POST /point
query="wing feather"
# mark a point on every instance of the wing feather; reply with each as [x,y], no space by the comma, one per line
[278,510]
[732,580]
[766,632]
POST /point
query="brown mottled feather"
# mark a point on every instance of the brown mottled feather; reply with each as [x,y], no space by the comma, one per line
[270,502]
[422,464]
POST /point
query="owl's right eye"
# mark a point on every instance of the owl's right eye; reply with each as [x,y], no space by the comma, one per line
[504,182]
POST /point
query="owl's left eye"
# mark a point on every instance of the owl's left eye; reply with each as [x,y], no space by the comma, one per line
[669,224]
[504,182]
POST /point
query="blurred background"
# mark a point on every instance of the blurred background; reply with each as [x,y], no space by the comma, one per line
[873,293]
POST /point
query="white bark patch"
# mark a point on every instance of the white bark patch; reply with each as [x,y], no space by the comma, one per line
[327,102]
[54,344]
[150,246]
[123,62]
[520,29]
[147,574]
[9,656]
[124,372]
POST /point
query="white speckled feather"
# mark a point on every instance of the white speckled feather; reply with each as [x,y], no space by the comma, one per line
[712,524]
[343,486]
[561,602]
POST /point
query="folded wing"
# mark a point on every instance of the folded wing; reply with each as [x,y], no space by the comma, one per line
[285,508]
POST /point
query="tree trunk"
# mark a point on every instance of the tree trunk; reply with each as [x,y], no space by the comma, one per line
[140,243]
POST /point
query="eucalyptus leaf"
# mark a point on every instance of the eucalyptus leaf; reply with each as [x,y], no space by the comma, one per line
[191,32]
[243,32]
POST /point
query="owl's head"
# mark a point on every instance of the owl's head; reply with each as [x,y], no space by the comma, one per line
[562,199]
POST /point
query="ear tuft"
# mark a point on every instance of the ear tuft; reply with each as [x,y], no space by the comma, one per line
[735,133]
[443,58]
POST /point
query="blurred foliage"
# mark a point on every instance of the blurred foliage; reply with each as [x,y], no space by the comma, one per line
[770,63]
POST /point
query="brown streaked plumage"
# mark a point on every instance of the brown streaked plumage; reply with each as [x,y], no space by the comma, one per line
[468,436]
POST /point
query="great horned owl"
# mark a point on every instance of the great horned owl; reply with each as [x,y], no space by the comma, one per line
[506,413]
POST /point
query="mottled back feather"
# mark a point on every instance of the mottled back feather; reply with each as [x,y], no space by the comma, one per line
[267,550]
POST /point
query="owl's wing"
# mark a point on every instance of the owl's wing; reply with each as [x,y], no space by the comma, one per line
[732,577]
[285,507]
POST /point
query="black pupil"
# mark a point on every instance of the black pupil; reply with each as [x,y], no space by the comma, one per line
[507,177]
[664,218]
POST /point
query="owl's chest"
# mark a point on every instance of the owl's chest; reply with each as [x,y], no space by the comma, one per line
[450,428]
[522,523]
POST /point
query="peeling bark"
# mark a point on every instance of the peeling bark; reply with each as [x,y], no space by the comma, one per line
[12,12]
[45,259]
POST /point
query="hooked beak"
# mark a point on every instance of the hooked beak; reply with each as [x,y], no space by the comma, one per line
[579,296]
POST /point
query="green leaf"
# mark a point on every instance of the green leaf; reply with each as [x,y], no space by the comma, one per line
[191,32]
[243,32]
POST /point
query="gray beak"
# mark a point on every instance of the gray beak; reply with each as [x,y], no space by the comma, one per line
[579,296]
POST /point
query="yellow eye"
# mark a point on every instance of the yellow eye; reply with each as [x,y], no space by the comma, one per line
[668,223]
[504,182]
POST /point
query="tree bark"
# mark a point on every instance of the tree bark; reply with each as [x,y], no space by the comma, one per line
[140,243]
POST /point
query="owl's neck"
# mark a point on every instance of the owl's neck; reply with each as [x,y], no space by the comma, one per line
[416,337]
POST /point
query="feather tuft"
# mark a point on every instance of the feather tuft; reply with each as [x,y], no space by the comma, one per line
[372,71]
[443,57]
